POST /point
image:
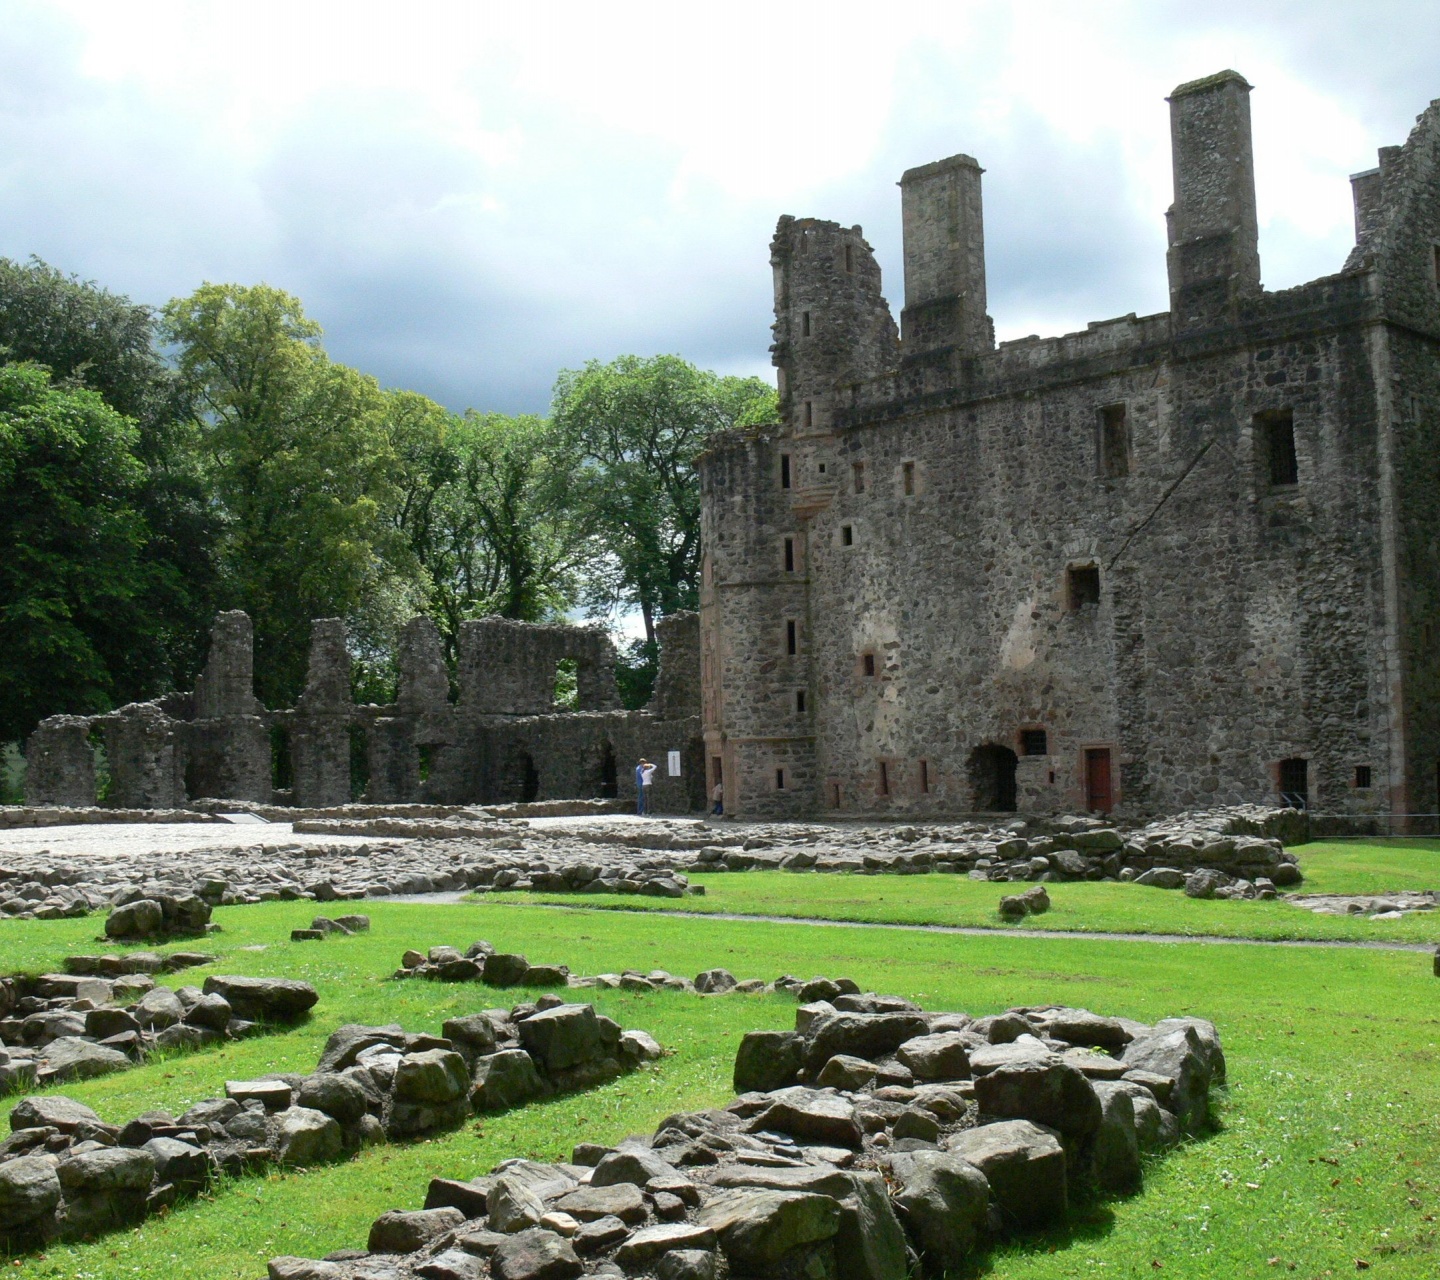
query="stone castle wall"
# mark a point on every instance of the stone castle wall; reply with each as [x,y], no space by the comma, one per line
[1037,560]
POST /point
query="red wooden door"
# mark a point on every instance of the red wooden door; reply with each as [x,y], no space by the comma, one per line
[1097,780]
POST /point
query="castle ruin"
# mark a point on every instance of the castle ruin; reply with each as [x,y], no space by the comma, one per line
[503,739]
[1172,561]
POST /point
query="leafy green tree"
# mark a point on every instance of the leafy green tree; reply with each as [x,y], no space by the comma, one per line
[489,514]
[88,336]
[635,427]
[77,627]
[304,462]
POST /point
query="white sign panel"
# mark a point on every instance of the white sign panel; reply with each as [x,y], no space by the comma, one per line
[674,764]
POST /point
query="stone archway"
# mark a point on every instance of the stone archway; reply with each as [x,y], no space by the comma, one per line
[991,770]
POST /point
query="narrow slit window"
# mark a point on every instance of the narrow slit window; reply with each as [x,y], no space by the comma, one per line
[1083,585]
[924,777]
[804,324]
[809,414]
[867,664]
[790,637]
[785,469]
[799,702]
[858,471]
[779,779]
[789,555]
[907,478]
[1362,777]
[834,795]
[1034,742]
[884,778]
[847,535]
[1435,266]
[1114,442]
[1275,434]
[849,258]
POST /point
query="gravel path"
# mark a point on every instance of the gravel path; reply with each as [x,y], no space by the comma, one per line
[105,840]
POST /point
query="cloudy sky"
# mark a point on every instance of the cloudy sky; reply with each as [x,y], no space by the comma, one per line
[470,196]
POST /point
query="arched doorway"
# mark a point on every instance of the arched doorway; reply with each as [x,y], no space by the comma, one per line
[992,778]
[529,777]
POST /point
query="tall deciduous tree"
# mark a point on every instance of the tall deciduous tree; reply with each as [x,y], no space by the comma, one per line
[77,628]
[635,426]
[303,464]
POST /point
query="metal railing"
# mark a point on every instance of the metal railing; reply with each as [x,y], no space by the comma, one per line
[1361,826]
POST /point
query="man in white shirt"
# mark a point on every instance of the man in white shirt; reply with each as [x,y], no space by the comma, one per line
[645,778]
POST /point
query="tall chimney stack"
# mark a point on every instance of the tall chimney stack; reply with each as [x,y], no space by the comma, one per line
[944,231]
[1214,257]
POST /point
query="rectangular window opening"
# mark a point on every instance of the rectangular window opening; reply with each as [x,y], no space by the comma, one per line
[779,779]
[1083,583]
[1435,266]
[1034,742]
[884,778]
[858,470]
[907,478]
[799,702]
[1362,777]
[847,535]
[790,637]
[784,470]
[804,324]
[849,258]
[1114,442]
[834,795]
[924,777]
[809,414]
[867,664]
[789,555]
[1275,436]
[1295,783]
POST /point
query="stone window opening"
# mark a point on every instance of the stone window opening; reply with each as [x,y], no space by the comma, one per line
[867,665]
[809,414]
[804,244]
[789,555]
[567,684]
[821,468]
[907,479]
[785,468]
[850,258]
[424,760]
[791,637]
[1362,777]
[1113,453]
[847,535]
[834,795]
[1294,779]
[1435,265]
[883,778]
[1082,582]
[799,702]
[1034,742]
[1275,438]
[858,471]
[924,777]
[804,324]
[282,767]
[780,779]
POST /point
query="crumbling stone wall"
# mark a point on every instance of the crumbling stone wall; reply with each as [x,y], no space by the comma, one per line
[503,740]
[1062,558]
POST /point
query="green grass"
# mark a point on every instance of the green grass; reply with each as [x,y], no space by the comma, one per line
[1337,867]
[1333,1111]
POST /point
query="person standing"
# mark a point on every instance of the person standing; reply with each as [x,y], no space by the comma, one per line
[640,796]
[647,779]
[718,795]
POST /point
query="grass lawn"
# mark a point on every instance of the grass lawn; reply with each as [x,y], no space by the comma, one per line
[1328,1150]
[1335,867]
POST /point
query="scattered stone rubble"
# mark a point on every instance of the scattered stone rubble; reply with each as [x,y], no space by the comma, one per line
[873,1137]
[1242,845]
[323,927]
[1389,906]
[66,1174]
[107,1014]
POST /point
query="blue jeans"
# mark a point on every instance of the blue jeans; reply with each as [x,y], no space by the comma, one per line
[642,801]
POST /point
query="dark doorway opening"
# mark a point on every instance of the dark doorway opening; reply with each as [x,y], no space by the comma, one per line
[609,777]
[529,777]
[1295,783]
[359,763]
[1098,794]
[992,778]
[282,768]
